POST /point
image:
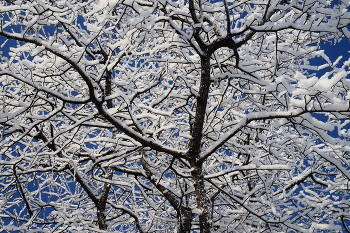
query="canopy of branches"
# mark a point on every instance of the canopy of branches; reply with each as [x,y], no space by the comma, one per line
[174,116]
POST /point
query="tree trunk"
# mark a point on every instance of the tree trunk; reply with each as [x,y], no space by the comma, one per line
[195,144]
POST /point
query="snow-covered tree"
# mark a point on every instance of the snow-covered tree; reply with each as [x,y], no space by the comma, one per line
[174,116]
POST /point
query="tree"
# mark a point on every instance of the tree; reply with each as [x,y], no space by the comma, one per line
[173,116]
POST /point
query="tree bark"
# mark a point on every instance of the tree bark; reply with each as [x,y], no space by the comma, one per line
[195,144]
[101,206]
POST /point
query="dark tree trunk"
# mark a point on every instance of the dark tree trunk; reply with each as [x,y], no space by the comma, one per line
[195,144]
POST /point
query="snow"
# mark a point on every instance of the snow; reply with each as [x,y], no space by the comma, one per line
[324,84]
[197,211]
[304,82]
[318,226]
[254,166]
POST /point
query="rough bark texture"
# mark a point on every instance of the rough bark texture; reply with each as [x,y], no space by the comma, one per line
[193,155]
